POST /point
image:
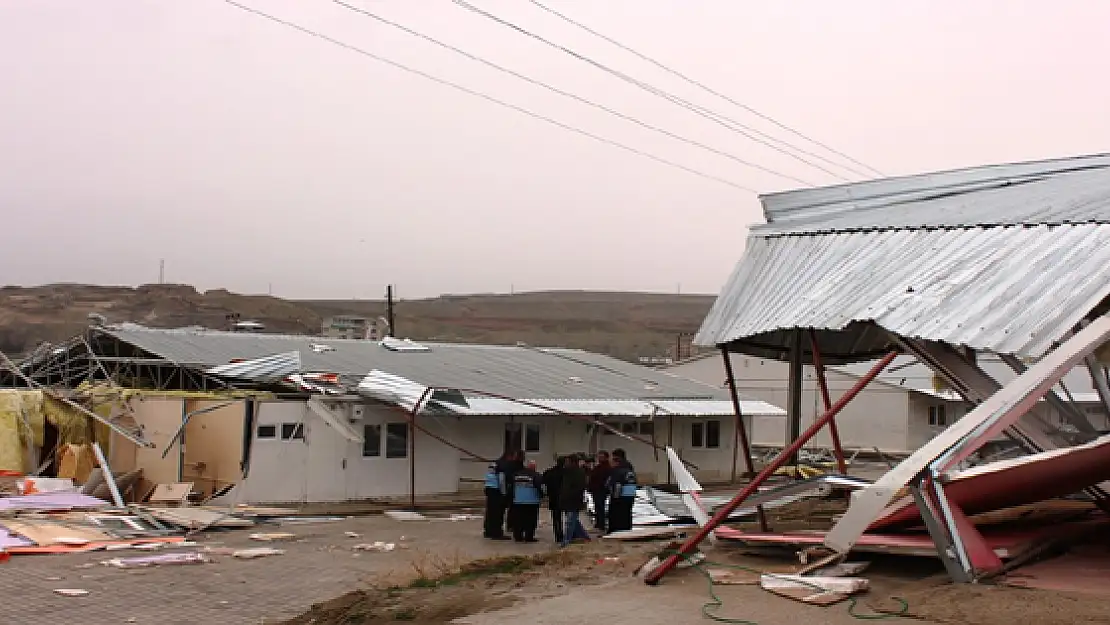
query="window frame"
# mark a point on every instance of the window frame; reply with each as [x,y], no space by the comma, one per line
[296,431]
[390,454]
[938,416]
[367,437]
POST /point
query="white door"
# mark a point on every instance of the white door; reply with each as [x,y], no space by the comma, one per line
[327,460]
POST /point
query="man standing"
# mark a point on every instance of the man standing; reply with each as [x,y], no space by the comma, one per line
[572,497]
[506,468]
[622,492]
[553,486]
[525,511]
[495,502]
[599,488]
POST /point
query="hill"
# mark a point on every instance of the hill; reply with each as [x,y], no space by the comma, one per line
[625,325]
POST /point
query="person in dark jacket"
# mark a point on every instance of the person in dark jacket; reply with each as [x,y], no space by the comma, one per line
[599,488]
[525,511]
[622,492]
[572,495]
[553,486]
[505,468]
[495,506]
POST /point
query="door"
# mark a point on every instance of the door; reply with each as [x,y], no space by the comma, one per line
[327,460]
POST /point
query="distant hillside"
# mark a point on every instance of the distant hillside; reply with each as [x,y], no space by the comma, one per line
[625,325]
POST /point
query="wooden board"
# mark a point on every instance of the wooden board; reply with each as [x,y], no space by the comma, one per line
[196,518]
[176,492]
[45,534]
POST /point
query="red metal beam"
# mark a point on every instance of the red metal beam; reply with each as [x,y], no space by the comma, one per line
[741,442]
[823,384]
[783,457]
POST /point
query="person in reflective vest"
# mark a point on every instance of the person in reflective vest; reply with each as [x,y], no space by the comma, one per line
[622,493]
[525,511]
[495,488]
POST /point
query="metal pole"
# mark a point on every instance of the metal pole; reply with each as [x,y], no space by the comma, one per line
[111,479]
[741,437]
[389,310]
[412,446]
[823,384]
[724,511]
[794,392]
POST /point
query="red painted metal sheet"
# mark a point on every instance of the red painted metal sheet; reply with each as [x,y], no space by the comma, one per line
[1005,543]
[1015,482]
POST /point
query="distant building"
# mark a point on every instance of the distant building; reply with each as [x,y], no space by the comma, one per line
[348,327]
[247,326]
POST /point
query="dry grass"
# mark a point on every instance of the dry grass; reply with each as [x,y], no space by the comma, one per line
[625,325]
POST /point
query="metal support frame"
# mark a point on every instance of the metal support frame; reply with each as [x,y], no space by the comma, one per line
[724,511]
[823,384]
[946,550]
[741,435]
[794,394]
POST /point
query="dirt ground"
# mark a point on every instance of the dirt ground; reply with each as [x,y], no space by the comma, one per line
[595,581]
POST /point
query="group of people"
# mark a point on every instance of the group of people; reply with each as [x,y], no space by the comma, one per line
[515,491]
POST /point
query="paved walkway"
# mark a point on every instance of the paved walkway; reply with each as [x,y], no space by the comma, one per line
[317,566]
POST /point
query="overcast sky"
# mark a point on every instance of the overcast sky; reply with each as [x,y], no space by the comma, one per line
[247,154]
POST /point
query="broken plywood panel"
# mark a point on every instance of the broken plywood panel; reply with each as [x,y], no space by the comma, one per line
[820,591]
[177,492]
[196,518]
[45,533]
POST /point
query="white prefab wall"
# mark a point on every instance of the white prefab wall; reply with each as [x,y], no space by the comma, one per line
[323,466]
[879,416]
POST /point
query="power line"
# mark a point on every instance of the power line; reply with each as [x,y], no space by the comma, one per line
[719,118]
[484,96]
[567,94]
[701,85]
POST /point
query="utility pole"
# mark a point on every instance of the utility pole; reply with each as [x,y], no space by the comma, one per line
[161,271]
[391,330]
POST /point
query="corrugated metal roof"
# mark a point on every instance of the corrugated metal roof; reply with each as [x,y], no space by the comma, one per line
[1065,191]
[266,369]
[512,371]
[1006,290]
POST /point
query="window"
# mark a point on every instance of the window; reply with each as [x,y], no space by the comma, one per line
[292,431]
[267,431]
[628,427]
[396,440]
[647,428]
[937,418]
[706,435]
[371,440]
[531,437]
[712,434]
[522,436]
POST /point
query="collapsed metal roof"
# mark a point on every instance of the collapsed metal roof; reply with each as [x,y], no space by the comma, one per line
[518,372]
[1006,258]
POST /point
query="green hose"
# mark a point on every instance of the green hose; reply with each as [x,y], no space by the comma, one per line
[710,608]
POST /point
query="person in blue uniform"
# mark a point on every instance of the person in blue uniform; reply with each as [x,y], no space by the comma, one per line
[622,492]
[495,503]
[525,510]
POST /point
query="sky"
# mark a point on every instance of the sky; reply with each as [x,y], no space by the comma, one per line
[253,157]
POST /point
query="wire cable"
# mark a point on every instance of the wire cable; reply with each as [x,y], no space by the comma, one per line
[710,608]
[719,118]
[705,87]
[488,98]
[567,94]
